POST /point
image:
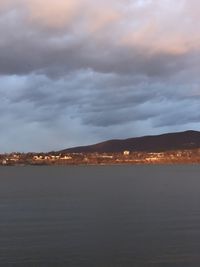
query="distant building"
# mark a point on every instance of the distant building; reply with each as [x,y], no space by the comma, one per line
[66,157]
[106,157]
[38,157]
[126,152]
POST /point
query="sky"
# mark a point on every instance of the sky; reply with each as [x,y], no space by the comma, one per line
[76,72]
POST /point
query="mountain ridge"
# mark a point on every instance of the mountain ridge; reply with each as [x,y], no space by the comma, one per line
[189,139]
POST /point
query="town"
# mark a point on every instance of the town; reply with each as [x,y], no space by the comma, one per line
[125,157]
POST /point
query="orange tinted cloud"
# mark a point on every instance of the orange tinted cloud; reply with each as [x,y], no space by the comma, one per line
[156,26]
[52,13]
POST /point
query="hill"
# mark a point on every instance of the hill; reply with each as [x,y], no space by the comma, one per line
[154,143]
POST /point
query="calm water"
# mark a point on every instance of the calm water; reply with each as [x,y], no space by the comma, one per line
[100,216]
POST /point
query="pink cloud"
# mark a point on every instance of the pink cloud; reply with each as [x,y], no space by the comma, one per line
[157,26]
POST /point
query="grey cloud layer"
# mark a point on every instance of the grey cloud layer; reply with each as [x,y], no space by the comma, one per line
[31,40]
[72,74]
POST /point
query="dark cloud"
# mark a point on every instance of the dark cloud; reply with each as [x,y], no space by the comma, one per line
[91,104]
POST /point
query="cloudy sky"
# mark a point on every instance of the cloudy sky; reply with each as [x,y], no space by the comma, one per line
[75,72]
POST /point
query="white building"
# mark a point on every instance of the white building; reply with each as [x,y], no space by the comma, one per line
[4,161]
[126,152]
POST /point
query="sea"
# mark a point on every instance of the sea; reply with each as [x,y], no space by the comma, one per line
[101,216]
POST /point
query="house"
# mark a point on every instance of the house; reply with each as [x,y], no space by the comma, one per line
[4,162]
[66,157]
[38,157]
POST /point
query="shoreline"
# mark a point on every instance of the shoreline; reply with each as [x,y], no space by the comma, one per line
[177,157]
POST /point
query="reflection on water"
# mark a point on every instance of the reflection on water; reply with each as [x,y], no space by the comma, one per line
[100,216]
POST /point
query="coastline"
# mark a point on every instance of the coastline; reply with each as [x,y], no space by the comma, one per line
[177,157]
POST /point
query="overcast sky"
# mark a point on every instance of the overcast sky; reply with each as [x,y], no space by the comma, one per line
[75,72]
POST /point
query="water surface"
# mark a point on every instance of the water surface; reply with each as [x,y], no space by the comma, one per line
[100,216]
